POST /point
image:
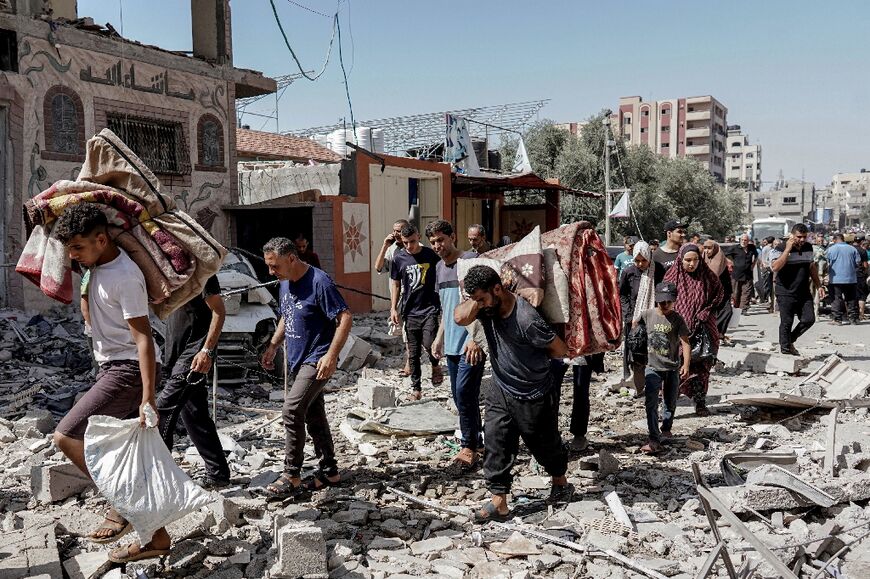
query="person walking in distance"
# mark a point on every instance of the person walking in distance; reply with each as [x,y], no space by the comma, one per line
[667,343]
[122,346]
[743,257]
[718,264]
[314,325]
[524,400]
[192,333]
[413,277]
[477,239]
[383,264]
[792,262]
[675,237]
[844,262]
[765,275]
[624,259]
[465,357]
[306,254]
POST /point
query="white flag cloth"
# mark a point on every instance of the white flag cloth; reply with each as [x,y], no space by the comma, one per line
[457,146]
[622,208]
[521,159]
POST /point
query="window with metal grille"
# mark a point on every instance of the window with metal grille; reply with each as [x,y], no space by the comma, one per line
[160,144]
[65,125]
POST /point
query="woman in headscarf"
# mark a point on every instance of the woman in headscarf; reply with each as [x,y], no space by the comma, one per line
[699,293]
[637,294]
[718,264]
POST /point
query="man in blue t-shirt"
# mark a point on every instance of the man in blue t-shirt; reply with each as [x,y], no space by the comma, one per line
[465,357]
[413,278]
[524,401]
[314,326]
[626,258]
[844,261]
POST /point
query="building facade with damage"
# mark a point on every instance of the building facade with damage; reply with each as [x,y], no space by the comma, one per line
[63,79]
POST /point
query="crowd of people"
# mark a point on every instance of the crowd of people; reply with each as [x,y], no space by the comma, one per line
[678,298]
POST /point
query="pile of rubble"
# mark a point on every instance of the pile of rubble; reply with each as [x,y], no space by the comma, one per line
[756,488]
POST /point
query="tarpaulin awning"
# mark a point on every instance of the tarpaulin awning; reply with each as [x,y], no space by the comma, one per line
[465,183]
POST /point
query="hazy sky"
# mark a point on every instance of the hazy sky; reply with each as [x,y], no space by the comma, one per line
[793,73]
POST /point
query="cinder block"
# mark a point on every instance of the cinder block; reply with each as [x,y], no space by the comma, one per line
[301,552]
[50,484]
[374,395]
[40,419]
[354,354]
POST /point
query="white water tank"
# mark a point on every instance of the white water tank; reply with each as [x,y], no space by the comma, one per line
[322,139]
[364,138]
[337,140]
[378,140]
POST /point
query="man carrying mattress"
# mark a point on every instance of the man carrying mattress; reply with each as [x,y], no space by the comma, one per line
[124,349]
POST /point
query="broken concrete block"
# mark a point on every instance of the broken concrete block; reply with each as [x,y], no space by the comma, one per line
[187,554]
[301,551]
[607,463]
[192,525]
[58,482]
[226,512]
[434,545]
[87,565]
[354,354]
[40,419]
[30,552]
[375,395]
[6,434]
[761,362]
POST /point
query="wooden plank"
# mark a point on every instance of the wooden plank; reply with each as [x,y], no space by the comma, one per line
[778,399]
[831,449]
[707,567]
[726,558]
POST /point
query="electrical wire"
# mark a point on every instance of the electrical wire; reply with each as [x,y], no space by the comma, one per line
[312,10]
[344,73]
[293,53]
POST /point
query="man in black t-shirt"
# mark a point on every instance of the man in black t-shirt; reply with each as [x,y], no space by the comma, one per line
[743,257]
[192,334]
[675,237]
[413,276]
[795,268]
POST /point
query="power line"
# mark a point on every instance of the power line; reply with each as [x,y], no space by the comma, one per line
[293,53]
[312,10]
[344,73]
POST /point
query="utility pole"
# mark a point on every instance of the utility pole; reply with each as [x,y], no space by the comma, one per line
[607,199]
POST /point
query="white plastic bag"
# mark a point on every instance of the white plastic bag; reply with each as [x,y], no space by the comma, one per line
[735,318]
[134,471]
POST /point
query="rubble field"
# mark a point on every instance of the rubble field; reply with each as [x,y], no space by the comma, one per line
[783,477]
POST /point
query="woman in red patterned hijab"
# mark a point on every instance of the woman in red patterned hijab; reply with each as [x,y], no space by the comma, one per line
[699,293]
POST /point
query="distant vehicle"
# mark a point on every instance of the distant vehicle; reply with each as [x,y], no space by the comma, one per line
[776,226]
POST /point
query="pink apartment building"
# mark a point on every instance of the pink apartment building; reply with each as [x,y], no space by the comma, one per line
[692,127]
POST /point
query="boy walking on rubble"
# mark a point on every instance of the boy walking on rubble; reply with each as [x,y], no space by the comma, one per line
[666,333]
[122,346]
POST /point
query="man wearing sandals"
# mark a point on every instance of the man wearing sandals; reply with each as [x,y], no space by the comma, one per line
[122,346]
[465,358]
[314,326]
[524,401]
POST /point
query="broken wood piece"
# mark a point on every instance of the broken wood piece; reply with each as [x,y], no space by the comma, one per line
[831,453]
[738,527]
[726,558]
[711,559]
[618,510]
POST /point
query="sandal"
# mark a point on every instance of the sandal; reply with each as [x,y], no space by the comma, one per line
[320,480]
[123,555]
[119,528]
[283,488]
[414,396]
[652,447]
[465,461]
[489,512]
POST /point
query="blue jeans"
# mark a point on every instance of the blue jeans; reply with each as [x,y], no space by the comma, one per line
[465,386]
[655,381]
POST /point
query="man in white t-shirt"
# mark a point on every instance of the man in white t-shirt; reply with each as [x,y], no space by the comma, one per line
[124,349]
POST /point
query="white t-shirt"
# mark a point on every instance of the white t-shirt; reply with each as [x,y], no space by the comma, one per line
[116,293]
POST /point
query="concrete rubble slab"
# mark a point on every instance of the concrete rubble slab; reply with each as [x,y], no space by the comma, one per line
[772,475]
[39,419]
[88,565]
[777,400]
[31,551]
[301,551]
[54,483]
[761,362]
[839,380]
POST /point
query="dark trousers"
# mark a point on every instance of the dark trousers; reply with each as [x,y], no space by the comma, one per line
[742,292]
[189,401]
[790,307]
[465,387]
[765,285]
[535,421]
[580,406]
[421,333]
[845,300]
[304,406]
[668,383]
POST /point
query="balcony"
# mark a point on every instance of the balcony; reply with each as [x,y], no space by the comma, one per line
[698,150]
[697,100]
[698,116]
[698,132]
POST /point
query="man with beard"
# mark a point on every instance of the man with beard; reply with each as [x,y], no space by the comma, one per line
[524,400]
[465,357]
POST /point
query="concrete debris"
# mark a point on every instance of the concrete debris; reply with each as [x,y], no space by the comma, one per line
[772,475]
[838,380]
[400,513]
[761,362]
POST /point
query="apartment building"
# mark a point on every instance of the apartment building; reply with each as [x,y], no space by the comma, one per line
[742,160]
[575,129]
[692,127]
[850,192]
[791,199]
